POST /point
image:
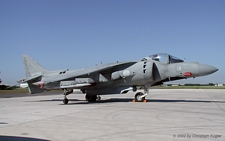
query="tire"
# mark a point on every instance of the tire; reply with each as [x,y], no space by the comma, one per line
[91,98]
[65,101]
[137,97]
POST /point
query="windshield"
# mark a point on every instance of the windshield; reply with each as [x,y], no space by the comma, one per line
[165,58]
[175,59]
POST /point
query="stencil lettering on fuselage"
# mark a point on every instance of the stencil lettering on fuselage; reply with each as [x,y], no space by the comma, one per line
[179,68]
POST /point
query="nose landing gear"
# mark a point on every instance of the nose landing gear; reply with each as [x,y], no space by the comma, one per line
[140,97]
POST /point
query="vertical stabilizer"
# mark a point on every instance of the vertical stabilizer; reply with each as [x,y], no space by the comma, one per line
[32,67]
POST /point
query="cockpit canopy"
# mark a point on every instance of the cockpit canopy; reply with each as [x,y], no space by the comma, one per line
[164,58]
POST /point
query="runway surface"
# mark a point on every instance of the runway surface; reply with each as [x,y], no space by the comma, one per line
[168,115]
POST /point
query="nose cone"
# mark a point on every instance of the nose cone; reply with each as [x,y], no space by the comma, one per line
[206,69]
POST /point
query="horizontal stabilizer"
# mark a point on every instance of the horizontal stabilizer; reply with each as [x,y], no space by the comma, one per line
[37,77]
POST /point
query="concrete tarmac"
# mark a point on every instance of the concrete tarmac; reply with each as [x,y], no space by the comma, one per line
[167,116]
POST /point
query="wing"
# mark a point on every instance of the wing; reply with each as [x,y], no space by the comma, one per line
[86,72]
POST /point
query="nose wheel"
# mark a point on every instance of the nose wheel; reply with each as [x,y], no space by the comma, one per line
[139,97]
[92,98]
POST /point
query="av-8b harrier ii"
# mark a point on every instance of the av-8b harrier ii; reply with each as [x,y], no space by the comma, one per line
[113,78]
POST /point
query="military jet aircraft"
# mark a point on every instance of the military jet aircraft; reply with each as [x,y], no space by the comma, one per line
[113,78]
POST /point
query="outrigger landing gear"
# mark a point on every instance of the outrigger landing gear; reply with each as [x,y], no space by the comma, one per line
[65,100]
[92,98]
[65,93]
[140,97]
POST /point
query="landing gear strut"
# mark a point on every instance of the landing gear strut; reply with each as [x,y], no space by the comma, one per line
[65,93]
[92,98]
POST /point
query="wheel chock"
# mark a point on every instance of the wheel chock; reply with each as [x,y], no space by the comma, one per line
[136,101]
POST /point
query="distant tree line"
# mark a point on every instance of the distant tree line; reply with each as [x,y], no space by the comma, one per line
[189,84]
[4,87]
[209,84]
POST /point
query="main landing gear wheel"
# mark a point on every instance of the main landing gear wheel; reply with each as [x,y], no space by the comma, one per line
[92,98]
[139,97]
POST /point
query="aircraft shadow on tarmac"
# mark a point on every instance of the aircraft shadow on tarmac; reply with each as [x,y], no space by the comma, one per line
[15,138]
[111,100]
[3,123]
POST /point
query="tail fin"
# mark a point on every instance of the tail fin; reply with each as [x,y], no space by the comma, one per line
[32,67]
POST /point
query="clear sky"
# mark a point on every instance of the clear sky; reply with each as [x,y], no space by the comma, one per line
[82,33]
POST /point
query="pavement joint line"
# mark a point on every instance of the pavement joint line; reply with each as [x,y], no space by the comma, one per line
[48,118]
[215,101]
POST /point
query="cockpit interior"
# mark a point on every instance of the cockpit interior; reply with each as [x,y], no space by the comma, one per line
[164,58]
